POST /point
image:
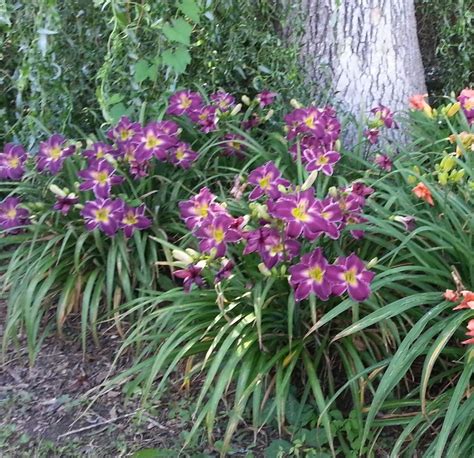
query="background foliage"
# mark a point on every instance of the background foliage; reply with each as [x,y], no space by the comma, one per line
[71,64]
[446,33]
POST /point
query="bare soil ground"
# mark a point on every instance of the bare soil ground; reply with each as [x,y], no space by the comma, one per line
[45,410]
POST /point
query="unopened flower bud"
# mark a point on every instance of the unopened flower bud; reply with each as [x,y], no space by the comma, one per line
[453,109]
[264,270]
[295,104]
[372,263]
[56,190]
[182,256]
[333,192]
[236,109]
[246,100]
[310,180]
[269,115]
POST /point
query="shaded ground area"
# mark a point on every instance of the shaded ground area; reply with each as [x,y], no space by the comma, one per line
[43,410]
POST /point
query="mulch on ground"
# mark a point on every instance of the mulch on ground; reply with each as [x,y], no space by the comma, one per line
[46,410]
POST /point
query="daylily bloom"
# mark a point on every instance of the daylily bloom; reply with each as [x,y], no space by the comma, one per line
[65,203]
[351,275]
[12,160]
[124,131]
[467,301]
[251,122]
[12,215]
[469,333]
[215,232]
[385,115]
[52,154]
[223,100]
[182,155]
[183,102]
[466,99]
[100,177]
[301,214]
[356,219]
[277,248]
[191,275]
[206,117]
[384,162]
[407,221]
[418,102]
[266,180]
[225,271]
[153,141]
[422,192]
[312,275]
[451,296]
[323,161]
[233,145]
[133,218]
[266,98]
[105,214]
[195,210]
[330,212]
[372,135]
[272,246]
[98,151]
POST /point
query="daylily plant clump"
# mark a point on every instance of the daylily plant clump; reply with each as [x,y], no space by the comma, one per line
[285,228]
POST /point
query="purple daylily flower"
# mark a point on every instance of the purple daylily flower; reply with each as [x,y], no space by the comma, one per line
[184,102]
[251,122]
[53,153]
[225,271]
[153,141]
[65,203]
[12,215]
[191,275]
[104,214]
[301,214]
[321,160]
[98,151]
[266,180]
[206,117]
[12,160]
[385,115]
[195,210]
[409,222]
[384,162]
[372,135]
[182,155]
[216,232]
[223,101]
[124,131]
[266,98]
[466,99]
[312,275]
[272,246]
[133,218]
[351,275]
[100,177]
[233,145]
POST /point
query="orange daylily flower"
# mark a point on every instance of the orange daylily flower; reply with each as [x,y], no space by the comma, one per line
[469,333]
[467,301]
[417,101]
[451,296]
[422,192]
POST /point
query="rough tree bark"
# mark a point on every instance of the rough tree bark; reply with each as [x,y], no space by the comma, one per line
[367,50]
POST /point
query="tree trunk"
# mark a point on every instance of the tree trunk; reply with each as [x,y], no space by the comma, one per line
[365,51]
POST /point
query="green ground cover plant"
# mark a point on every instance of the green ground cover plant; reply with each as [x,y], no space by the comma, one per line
[298,283]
